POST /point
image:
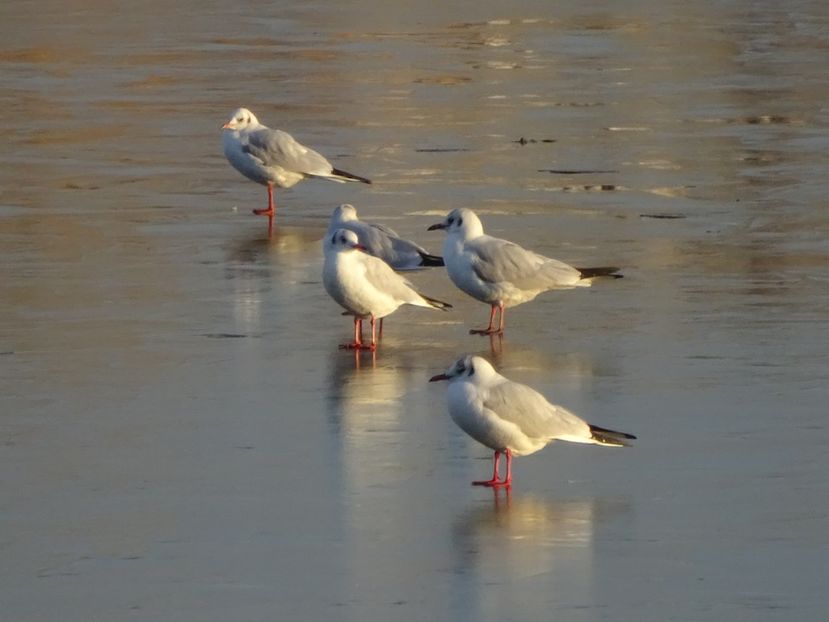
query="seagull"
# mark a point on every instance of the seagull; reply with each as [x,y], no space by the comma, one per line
[511,418]
[365,286]
[382,242]
[500,272]
[273,157]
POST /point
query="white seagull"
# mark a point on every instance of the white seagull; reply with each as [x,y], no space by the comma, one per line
[365,286]
[273,157]
[511,418]
[500,272]
[382,242]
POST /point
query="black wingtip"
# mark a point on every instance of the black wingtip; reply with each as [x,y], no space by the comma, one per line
[611,437]
[351,176]
[595,428]
[437,304]
[608,271]
[431,261]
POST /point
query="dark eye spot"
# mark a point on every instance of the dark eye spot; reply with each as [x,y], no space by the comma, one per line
[334,239]
[240,119]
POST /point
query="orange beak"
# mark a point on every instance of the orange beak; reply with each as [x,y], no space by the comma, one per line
[226,126]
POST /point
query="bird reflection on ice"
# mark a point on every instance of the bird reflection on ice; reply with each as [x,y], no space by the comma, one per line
[523,531]
[524,542]
[365,398]
[250,266]
[285,241]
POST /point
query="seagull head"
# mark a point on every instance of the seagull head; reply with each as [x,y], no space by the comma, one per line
[241,119]
[470,368]
[461,221]
[343,240]
[344,213]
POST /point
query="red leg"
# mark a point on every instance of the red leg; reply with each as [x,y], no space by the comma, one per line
[501,318]
[508,478]
[271,210]
[358,336]
[495,482]
[358,344]
[489,330]
[373,345]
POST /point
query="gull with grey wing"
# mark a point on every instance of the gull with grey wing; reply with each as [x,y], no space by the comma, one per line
[365,286]
[501,273]
[511,418]
[274,158]
[382,242]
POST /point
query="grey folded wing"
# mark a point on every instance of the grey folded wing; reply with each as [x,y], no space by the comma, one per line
[383,278]
[383,229]
[532,413]
[377,238]
[406,247]
[384,242]
[278,148]
[499,261]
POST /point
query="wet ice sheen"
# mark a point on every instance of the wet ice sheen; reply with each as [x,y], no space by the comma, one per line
[155,470]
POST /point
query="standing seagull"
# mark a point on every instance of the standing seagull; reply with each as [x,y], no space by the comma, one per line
[502,273]
[511,418]
[271,157]
[365,286]
[382,242]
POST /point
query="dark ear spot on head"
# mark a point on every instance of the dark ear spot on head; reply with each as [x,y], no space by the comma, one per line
[460,221]
[471,370]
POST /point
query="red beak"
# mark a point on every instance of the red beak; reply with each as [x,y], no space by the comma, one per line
[360,247]
[438,377]
[226,126]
